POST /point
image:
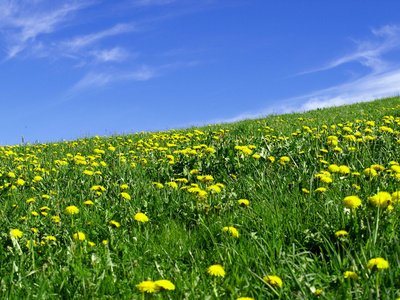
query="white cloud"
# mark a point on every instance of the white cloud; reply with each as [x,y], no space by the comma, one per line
[94,79]
[86,40]
[22,22]
[116,54]
[369,52]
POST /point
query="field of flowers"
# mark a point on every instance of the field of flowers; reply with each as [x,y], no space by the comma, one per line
[297,206]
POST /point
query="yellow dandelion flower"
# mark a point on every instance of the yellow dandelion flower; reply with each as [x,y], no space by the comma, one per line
[30,200]
[20,182]
[244,201]
[232,231]
[216,270]
[194,172]
[333,168]
[50,238]
[341,233]
[56,219]
[344,170]
[351,202]
[71,210]
[164,284]
[147,287]
[214,189]
[245,298]
[16,233]
[88,202]
[79,236]
[283,160]
[370,172]
[124,186]
[273,280]
[174,185]
[378,263]
[125,196]
[382,199]
[114,224]
[350,274]
[141,217]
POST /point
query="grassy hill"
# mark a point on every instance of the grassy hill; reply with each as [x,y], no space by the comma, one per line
[295,206]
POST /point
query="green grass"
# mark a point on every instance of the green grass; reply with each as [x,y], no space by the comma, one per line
[284,231]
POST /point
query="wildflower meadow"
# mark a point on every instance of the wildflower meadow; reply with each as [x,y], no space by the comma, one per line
[294,206]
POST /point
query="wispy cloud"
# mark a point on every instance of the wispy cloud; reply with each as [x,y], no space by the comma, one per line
[102,79]
[21,22]
[382,81]
[116,54]
[80,42]
[369,52]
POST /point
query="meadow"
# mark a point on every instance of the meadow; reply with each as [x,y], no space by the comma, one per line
[294,206]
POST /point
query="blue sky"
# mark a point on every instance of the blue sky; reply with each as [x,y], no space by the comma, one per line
[70,69]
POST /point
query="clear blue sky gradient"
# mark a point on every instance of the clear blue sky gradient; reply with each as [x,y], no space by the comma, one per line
[70,69]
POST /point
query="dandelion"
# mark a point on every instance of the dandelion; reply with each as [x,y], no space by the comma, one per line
[370,172]
[214,189]
[114,224]
[30,200]
[56,219]
[147,287]
[344,170]
[382,199]
[79,236]
[88,202]
[232,231]
[205,178]
[16,233]
[341,233]
[141,217]
[244,201]
[321,190]
[271,159]
[28,243]
[104,242]
[20,182]
[273,280]
[351,202]
[194,172]
[71,210]
[244,298]
[283,160]
[216,270]
[125,196]
[305,191]
[172,184]
[164,284]
[350,274]
[50,238]
[333,168]
[378,263]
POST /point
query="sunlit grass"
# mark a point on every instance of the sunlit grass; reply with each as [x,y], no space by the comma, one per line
[297,206]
